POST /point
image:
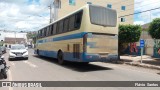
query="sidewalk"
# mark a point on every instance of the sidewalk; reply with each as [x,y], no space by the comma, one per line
[147,61]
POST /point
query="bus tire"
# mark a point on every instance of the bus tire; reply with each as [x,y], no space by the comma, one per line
[60,57]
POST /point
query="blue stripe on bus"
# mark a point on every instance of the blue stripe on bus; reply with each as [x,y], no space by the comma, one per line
[67,37]
[72,36]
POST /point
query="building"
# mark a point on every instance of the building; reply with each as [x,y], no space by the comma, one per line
[14,40]
[2,36]
[123,7]
[9,38]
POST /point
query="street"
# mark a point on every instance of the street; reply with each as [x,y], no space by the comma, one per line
[47,69]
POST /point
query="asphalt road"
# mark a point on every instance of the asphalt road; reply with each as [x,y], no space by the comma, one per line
[47,69]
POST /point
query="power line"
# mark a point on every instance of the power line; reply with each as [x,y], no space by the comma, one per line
[140,12]
[140,6]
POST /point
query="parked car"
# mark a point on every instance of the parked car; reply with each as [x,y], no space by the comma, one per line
[18,51]
[3,49]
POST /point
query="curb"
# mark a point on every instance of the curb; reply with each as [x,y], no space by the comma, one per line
[143,65]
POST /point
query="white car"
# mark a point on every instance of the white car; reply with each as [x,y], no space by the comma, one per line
[18,51]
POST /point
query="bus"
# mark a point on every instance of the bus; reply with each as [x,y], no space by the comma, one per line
[89,34]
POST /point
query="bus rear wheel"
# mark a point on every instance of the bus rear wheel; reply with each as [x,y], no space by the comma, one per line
[60,58]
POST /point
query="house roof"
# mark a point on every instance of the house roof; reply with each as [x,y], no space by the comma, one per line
[13,40]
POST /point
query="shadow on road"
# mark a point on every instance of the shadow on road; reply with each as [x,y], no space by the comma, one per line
[19,59]
[80,67]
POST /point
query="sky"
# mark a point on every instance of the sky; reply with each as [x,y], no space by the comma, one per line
[31,15]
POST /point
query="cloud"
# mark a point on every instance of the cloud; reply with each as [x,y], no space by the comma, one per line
[139,22]
[24,14]
[143,5]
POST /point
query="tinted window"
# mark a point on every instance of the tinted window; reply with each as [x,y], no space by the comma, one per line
[55,28]
[78,18]
[66,25]
[51,29]
[48,29]
[61,26]
[45,32]
[105,16]
[71,22]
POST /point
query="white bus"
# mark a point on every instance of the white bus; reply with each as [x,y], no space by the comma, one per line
[87,35]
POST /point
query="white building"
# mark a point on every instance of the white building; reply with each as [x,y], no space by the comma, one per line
[2,36]
[13,37]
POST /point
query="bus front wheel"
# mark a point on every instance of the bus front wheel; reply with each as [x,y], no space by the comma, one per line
[60,57]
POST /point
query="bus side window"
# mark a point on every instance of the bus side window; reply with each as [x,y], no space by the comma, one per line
[52,26]
[56,28]
[71,22]
[47,34]
[38,34]
[66,25]
[78,18]
[45,31]
[60,26]
[41,33]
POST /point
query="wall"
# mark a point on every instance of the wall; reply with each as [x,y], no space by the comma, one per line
[116,4]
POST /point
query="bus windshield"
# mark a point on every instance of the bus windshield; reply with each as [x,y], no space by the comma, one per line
[103,16]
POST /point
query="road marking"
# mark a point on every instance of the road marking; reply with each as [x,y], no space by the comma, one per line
[10,78]
[30,64]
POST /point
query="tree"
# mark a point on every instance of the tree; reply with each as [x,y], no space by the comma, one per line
[154,28]
[128,34]
[31,35]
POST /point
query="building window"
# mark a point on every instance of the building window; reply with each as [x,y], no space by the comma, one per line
[109,6]
[72,2]
[123,19]
[123,8]
[89,2]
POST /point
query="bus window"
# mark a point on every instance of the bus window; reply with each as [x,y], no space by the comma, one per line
[40,33]
[48,29]
[45,32]
[55,29]
[60,26]
[105,16]
[66,23]
[78,18]
[71,22]
[51,30]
